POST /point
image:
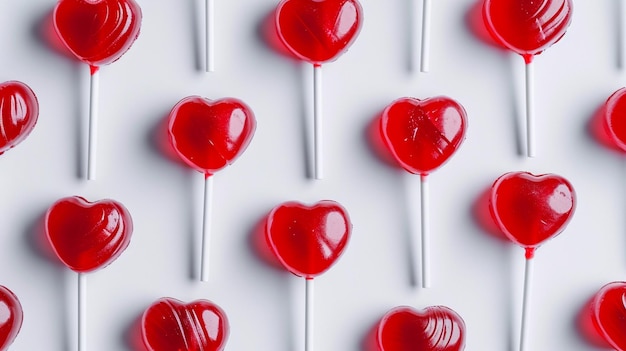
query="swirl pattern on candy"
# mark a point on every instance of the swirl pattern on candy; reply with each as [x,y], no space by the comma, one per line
[436,328]
[87,235]
[318,31]
[527,27]
[97,32]
[603,319]
[11,317]
[169,324]
[19,111]
[308,240]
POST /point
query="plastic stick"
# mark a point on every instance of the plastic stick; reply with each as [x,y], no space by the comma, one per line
[206,228]
[82,312]
[317,120]
[210,35]
[308,315]
[94,87]
[425,230]
[528,273]
[425,51]
[530,110]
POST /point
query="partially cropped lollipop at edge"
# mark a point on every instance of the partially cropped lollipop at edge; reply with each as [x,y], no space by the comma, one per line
[529,210]
[609,123]
[19,111]
[87,236]
[308,240]
[11,317]
[98,33]
[435,328]
[318,31]
[209,135]
[603,319]
[527,27]
[169,324]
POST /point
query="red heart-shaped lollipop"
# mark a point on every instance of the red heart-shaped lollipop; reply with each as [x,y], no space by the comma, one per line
[19,111]
[318,31]
[97,32]
[209,135]
[423,134]
[169,324]
[11,317]
[603,319]
[308,240]
[527,27]
[611,126]
[436,328]
[531,209]
[87,236]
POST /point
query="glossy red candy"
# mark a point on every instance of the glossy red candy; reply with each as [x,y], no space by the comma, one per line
[87,236]
[603,320]
[307,240]
[531,209]
[527,27]
[318,31]
[19,111]
[208,135]
[611,126]
[11,317]
[171,325]
[436,328]
[422,134]
[97,32]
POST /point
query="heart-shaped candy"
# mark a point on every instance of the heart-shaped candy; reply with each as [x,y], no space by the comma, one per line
[87,236]
[307,240]
[19,111]
[169,324]
[612,126]
[436,328]
[209,135]
[423,134]
[11,317]
[318,31]
[531,209]
[97,32]
[603,320]
[527,27]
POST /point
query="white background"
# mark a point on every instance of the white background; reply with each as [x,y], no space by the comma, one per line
[473,273]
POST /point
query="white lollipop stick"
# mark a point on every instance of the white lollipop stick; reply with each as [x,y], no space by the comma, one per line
[425,54]
[308,315]
[528,272]
[206,228]
[209,35]
[82,312]
[94,88]
[425,232]
[621,35]
[317,120]
[530,110]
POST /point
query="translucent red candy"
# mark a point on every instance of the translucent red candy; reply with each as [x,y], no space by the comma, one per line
[97,32]
[209,135]
[603,319]
[527,27]
[610,126]
[422,134]
[19,111]
[308,240]
[531,209]
[11,317]
[318,31]
[436,328]
[171,325]
[87,236]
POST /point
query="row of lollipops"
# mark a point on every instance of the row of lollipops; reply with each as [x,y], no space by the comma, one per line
[420,135]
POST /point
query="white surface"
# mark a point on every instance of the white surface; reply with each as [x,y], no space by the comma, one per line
[473,273]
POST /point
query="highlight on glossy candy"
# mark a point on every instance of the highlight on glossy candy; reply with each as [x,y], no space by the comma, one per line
[169,324]
[19,111]
[602,320]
